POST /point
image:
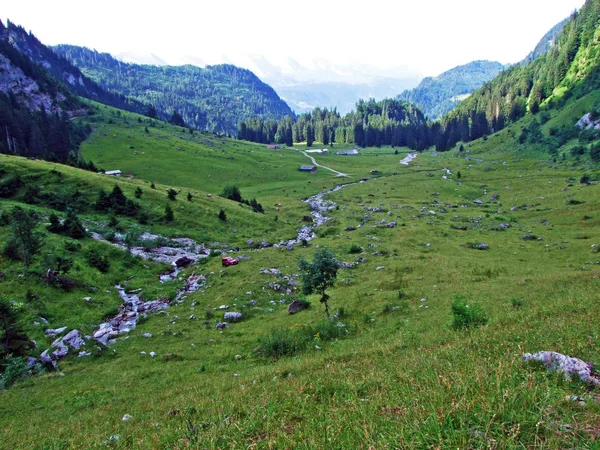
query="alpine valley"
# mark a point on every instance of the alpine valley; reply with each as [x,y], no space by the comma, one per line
[188,262]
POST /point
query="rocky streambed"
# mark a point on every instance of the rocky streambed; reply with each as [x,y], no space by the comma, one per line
[179,253]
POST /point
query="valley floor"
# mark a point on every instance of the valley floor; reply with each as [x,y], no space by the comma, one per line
[395,374]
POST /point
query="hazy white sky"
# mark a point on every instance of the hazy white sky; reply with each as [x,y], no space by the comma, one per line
[429,36]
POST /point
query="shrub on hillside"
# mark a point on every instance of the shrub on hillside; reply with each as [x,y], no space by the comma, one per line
[355,248]
[467,315]
[98,261]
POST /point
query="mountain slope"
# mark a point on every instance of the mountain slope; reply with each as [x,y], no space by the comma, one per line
[29,46]
[35,109]
[546,43]
[436,96]
[215,98]
[570,68]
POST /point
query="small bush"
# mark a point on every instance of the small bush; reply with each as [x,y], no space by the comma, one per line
[169,216]
[72,246]
[516,303]
[279,343]
[100,262]
[14,368]
[465,315]
[355,248]
[172,194]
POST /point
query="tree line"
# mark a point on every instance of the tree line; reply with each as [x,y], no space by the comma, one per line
[373,123]
[516,91]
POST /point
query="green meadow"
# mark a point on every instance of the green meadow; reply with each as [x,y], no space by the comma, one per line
[389,371]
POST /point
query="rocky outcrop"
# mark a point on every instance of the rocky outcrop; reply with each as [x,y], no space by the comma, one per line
[589,121]
[60,347]
[26,90]
[567,365]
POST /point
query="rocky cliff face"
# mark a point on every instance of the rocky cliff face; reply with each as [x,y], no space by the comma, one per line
[26,90]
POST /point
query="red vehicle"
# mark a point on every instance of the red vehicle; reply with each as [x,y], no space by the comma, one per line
[229,261]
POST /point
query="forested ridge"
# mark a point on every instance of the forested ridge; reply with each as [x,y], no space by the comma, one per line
[215,98]
[436,96]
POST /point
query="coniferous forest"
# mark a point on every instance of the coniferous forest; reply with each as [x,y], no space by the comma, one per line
[507,98]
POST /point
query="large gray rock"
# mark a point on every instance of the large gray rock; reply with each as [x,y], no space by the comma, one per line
[73,339]
[296,306]
[232,316]
[47,359]
[568,365]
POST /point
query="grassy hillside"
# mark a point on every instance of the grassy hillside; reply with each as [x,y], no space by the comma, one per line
[401,376]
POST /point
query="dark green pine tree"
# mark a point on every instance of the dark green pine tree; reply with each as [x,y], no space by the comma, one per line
[176,119]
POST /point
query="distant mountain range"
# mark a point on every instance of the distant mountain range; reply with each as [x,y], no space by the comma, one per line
[439,95]
[307,85]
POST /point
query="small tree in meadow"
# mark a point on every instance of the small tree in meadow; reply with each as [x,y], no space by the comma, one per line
[24,242]
[319,275]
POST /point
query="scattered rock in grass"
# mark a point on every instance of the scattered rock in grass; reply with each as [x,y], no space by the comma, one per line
[55,332]
[238,357]
[224,307]
[127,418]
[232,316]
[479,202]
[380,268]
[296,306]
[152,354]
[529,237]
[110,440]
[249,242]
[568,365]
[349,228]
[576,399]
[147,335]
[221,326]
[391,225]
[83,354]
[271,271]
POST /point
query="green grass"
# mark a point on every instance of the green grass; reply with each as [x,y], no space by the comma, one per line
[402,377]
